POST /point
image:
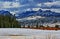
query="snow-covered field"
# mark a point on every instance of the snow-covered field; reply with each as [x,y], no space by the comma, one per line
[6,33]
[22,31]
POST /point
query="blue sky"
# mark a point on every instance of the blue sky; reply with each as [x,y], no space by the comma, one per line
[18,6]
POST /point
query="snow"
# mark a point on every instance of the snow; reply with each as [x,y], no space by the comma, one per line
[5,33]
[27,32]
[31,18]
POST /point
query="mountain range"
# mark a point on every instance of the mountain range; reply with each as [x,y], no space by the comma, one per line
[40,15]
[40,12]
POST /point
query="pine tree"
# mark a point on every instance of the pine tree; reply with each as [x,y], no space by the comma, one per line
[8,22]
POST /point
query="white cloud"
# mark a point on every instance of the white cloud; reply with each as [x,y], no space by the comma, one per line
[14,12]
[48,4]
[15,4]
[56,10]
[52,3]
[11,4]
[1,5]
[56,3]
[53,10]
[28,9]
[39,4]
[36,9]
[6,4]
[45,9]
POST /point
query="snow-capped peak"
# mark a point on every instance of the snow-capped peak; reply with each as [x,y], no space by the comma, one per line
[31,18]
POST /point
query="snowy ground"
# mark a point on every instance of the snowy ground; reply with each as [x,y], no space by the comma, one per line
[21,31]
[28,33]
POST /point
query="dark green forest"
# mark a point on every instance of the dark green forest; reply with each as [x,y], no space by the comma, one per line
[8,22]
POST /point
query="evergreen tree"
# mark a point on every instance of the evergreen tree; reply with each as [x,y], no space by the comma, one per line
[7,21]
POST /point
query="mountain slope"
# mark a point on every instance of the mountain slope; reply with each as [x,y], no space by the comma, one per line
[3,12]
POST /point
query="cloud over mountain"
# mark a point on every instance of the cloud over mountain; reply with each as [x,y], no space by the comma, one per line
[25,5]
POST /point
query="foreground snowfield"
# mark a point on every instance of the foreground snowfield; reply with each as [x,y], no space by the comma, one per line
[20,33]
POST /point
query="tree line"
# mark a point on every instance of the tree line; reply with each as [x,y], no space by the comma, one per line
[8,22]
